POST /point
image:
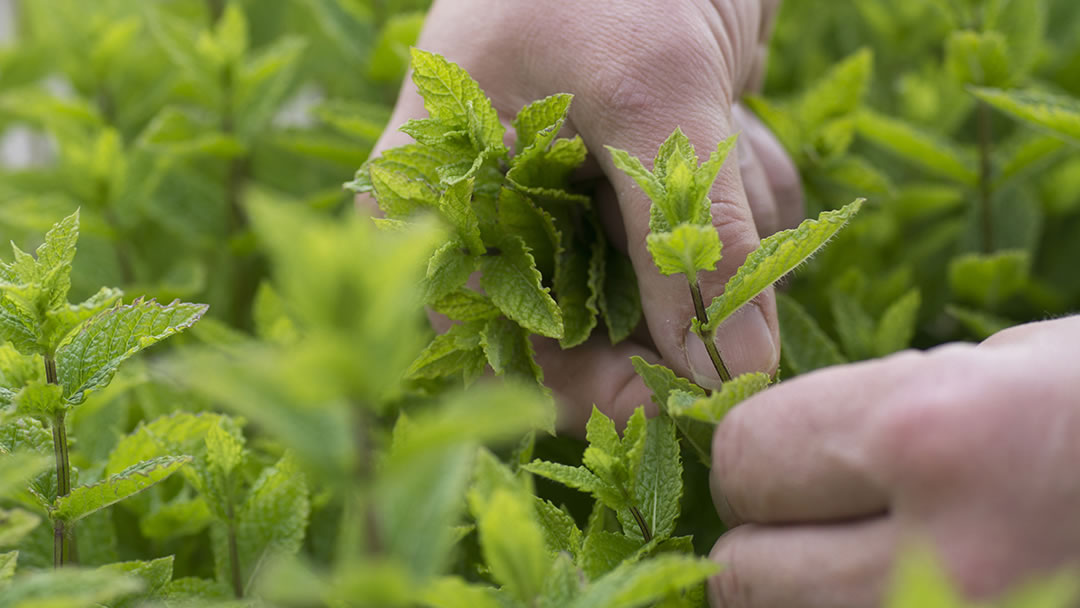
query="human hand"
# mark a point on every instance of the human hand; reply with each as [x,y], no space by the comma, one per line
[972,448]
[637,70]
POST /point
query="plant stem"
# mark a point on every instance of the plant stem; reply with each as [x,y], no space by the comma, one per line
[61,546]
[710,344]
[985,135]
[645,532]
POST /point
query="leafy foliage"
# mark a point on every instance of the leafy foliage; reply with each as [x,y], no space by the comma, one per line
[309,441]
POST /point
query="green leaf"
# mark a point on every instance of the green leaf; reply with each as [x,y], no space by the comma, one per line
[713,408]
[560,531]
[603,551]
[91,357]
[155,575]
[538,123]
[855,327]
[778,255]
[979,58]
[447,271]
[451,95]
[466,305]
[897,326]
[631,165]
[987,280]
[658,484]
[448,353]
[642,583]
[512,281]
[61,321]
[662,382]
[453,592]
[399,195]
[84,500]
[620,300]
[687,249]
[456,207]
[1056,113]
[579,478]
[509,351]
[578,281]
[7,568]
[16,524]
[837,94]
[561,585]
[513,545]
[224,451]
[916,147]
[804,345]
[54,259]
[39,399]
[390,55]
[981,324]
[272,519]
[69,587]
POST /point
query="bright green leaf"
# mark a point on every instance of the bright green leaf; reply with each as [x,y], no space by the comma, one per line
[713,408]
[512,281]
[84,500]
[687,249]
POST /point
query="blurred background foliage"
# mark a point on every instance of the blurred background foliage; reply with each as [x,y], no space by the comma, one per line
[206,142]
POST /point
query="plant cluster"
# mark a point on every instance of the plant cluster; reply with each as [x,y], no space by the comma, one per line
[309,440]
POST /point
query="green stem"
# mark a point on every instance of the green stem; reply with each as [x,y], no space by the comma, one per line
[708,341]
[985,134]
[234,551]
[61,546]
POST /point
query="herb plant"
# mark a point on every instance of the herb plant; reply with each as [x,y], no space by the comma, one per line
[311,441]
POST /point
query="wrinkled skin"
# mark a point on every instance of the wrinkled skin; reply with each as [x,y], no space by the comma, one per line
[972,448]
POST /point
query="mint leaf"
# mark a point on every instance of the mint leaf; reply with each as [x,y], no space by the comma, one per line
[513,545]
[1057,113]
[603,551]
[989,280]
[579,478]
[84,500]
[662,382]
[778,255]
[448,269]
[7,568]
[658,483]
[466,305]
[39,399]
[88,360]
[915,146]
[70,588]
[713,408]
[642,583]
[620,300]
[538,123]
[578,281]
[456,206]
[453,592]
[54,259]
[838,93]
[981,325]
[560,531]
[804,345]
[687,249]
[897,326]
[512,281]
[452,96]
[15,525]
[61,321]
[449,353]
[507,348]
[399,195]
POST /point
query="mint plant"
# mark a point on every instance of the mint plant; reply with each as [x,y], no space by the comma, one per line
[545,266]
[80,347]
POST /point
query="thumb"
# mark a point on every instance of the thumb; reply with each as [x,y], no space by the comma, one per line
[749,340]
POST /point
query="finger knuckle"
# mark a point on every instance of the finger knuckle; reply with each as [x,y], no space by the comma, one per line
[729,588]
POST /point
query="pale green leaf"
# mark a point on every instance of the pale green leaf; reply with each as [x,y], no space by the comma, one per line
[84,500]
[89,359]
[512,281]
[988,280]
[539,122]
[453,592]
[916,147]
[447,271]
[560,531]
[7,568]
[897,325]
[778,255]
[838,93]
[224,450]
[399,195]
[449,92]
[15,524]
[456,206]
[513,545]
[631,165]
[658,483]
[804,345]
[39,399]
[68,588]
[687,249]
[642,583]
[713,408]
[1056,113]
[466,305]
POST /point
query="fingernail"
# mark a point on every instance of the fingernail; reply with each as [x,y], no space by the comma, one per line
[745,343]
